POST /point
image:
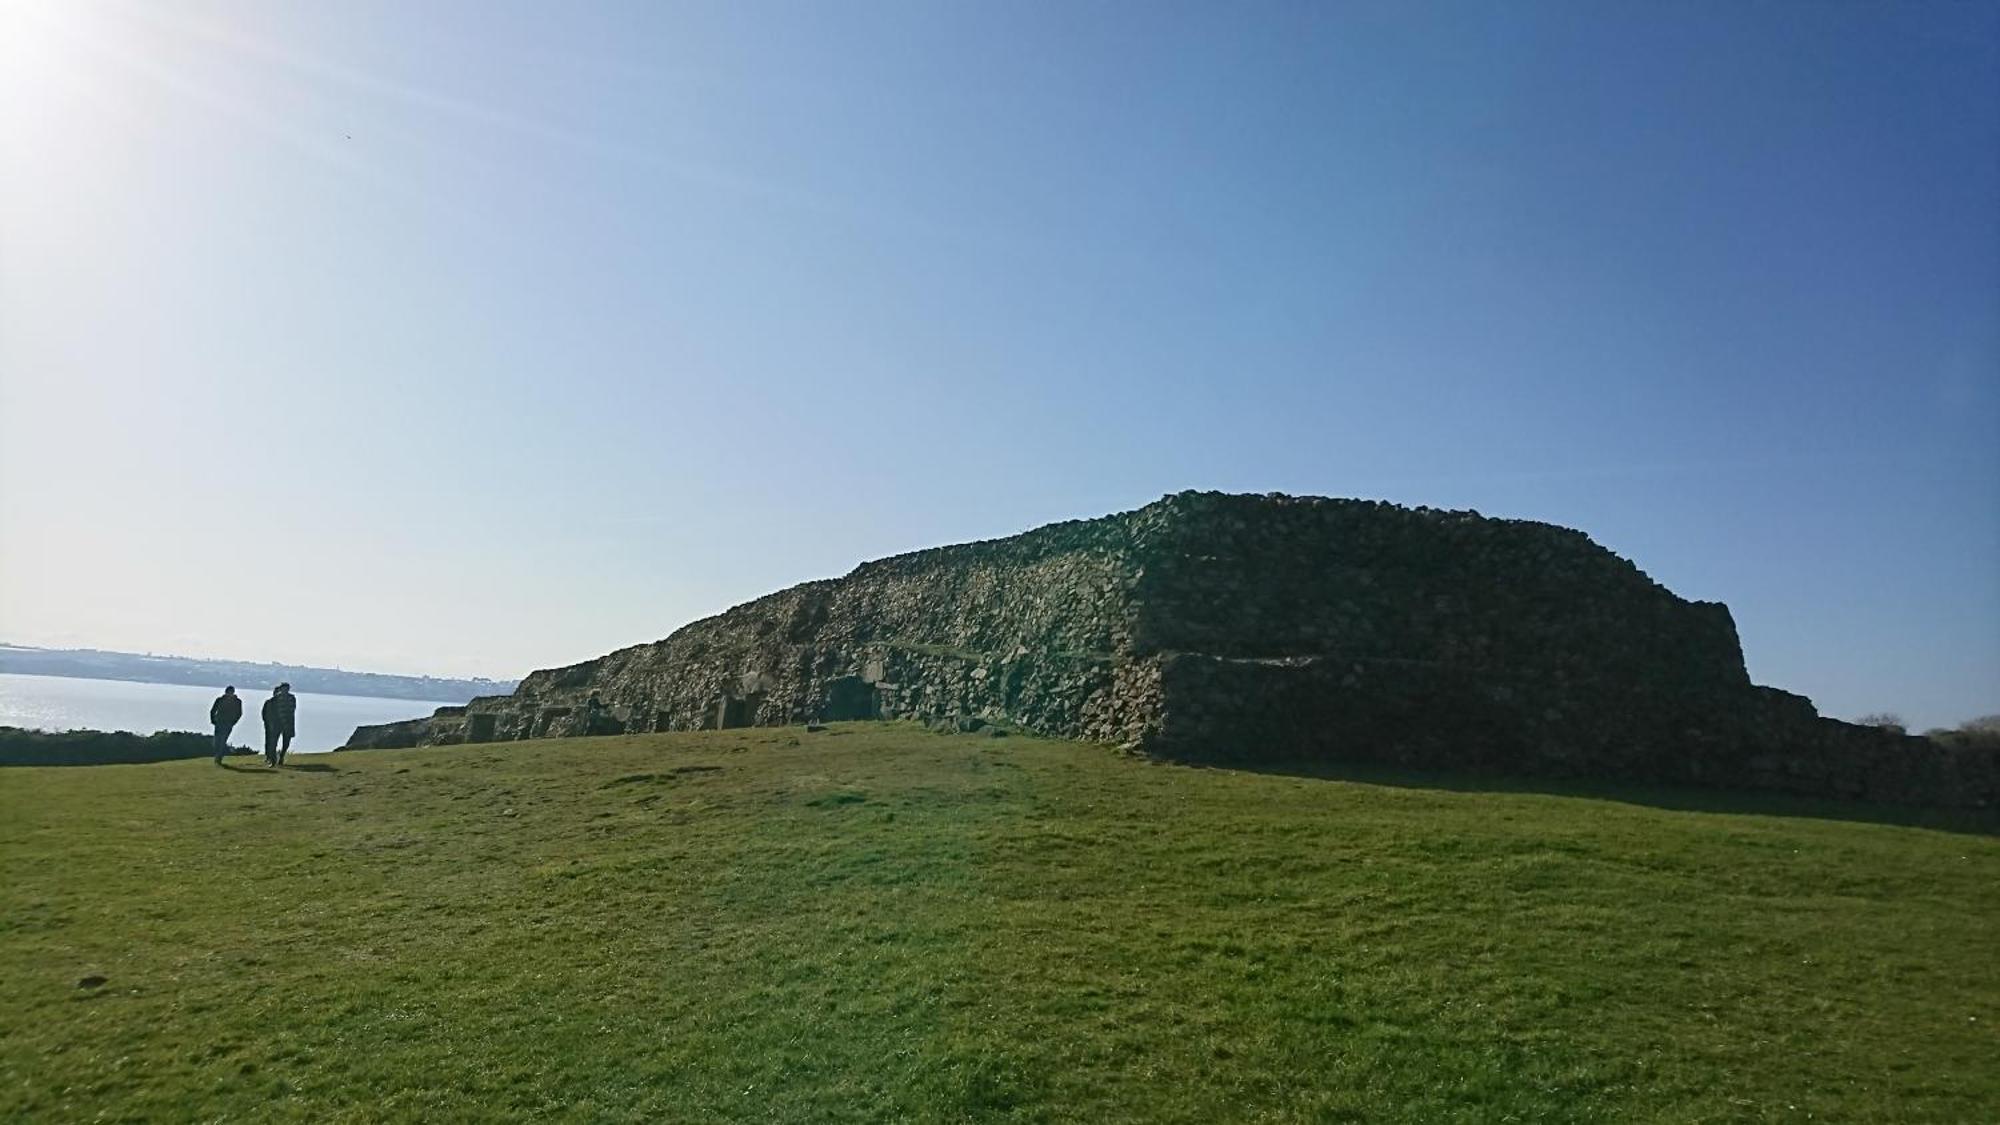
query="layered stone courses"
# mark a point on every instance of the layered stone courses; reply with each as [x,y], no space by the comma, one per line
[1254,629]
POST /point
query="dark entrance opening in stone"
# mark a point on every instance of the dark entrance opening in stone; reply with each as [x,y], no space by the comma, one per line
[731,712]
[481,727]
[551,721]
[849,698]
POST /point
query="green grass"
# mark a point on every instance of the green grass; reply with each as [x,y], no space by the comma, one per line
[877,923]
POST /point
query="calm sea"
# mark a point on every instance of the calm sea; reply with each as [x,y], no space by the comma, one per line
[63,703]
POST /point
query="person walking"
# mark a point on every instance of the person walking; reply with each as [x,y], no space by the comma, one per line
[224,712]
[280,721]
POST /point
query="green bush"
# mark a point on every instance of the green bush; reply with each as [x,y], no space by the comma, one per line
[1887,720]
[1982,733]
[20,747]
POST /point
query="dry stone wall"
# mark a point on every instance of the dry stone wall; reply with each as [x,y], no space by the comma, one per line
[1022,631]
[1270,577]
[1252,629]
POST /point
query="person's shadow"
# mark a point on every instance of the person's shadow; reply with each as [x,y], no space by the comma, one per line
[259,768]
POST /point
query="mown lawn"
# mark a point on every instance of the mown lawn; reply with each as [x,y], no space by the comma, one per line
[876,923]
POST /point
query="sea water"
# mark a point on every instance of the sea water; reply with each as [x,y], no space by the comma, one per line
[68,703]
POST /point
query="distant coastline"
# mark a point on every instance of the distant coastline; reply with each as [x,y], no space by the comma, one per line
[98,664]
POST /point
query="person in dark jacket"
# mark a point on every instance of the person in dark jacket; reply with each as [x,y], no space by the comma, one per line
[224,712]
[280,721]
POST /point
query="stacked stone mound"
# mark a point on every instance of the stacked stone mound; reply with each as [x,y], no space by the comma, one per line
[1256,629]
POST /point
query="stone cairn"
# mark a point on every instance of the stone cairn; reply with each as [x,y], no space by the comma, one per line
[1267,630]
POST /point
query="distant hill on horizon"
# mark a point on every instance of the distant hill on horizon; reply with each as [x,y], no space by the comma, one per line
[100,664]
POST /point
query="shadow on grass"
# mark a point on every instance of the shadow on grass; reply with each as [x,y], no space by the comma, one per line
[315,767]
[259,768]
[1679,798]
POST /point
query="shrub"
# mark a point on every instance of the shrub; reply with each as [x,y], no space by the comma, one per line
[1887,720]
[20,747]
[1982,733]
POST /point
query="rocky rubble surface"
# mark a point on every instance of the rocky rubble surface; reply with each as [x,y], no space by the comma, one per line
[1253,629]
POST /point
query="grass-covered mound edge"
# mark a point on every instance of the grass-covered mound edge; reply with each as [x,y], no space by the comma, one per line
[21,747]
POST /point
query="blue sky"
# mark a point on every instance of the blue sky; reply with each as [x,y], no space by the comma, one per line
[472,338]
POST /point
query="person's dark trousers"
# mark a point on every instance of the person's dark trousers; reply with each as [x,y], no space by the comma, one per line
[222,739]
[271,746]
[284,746]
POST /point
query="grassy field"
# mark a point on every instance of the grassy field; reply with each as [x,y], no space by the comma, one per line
[878,923]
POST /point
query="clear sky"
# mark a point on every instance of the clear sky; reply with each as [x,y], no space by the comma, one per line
[476,337]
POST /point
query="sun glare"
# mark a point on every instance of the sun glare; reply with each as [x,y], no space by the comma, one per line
[41,51]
